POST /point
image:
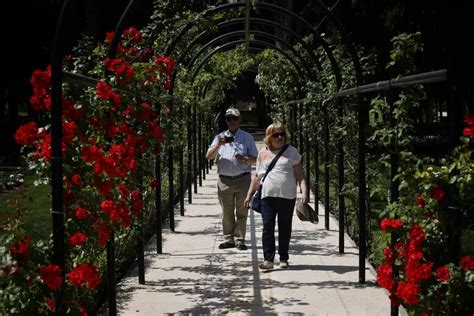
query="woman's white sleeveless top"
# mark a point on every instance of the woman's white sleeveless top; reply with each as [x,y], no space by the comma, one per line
[280,181]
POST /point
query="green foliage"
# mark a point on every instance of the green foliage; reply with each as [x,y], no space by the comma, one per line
[30,204]
[392,123]
[278,78]
[405,48]
[219,76]
[426,187]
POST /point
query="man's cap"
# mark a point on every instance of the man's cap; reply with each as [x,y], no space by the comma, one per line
[306,213]
[232,112]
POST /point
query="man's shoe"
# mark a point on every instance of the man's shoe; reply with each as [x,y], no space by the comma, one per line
[241,247]
[284,264]
[266,265]
[226,245]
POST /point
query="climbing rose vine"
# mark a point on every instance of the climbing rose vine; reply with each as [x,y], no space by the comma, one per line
[417,269]
[107,129]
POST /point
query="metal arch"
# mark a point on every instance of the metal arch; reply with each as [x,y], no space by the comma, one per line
[203,91]
[270,7]
[361,120]
[118,31]
[256,21]
[259,33]
[57,189]
[348,43]
[324,45]
[111,277]
[265,44]
[190,24]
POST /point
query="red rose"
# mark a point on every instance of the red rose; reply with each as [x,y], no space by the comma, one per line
[467,263]
[76,180]
[468,131]
[81,213]
[78,239]
[387,224]
[153,182]
[51,302]
[469,119]
[146,54]
[438,193]
[442,273]
[84,274]
[385,277]
[103,233]
[27,133]
[420,200]
[52,276]
[408,293]
[166,64]
[22,247]
[168,84]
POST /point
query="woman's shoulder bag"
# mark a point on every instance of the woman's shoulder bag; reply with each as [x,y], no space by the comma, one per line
[256,202]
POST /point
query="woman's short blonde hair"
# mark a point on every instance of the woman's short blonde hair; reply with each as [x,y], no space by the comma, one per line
[277,126]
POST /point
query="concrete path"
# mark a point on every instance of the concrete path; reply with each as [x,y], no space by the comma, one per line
[194,277]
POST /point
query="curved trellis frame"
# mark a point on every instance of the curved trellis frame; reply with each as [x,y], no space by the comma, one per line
[307,68]
[56,123]
[232,44]
[361,116]
[254,21]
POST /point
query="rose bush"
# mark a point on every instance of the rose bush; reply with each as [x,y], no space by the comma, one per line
[418,269]
[107,130]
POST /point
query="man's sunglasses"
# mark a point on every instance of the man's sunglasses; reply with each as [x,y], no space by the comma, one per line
[281,134]
[231,118]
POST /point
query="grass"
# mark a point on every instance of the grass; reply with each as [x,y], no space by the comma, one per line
[32,203]
[467,242]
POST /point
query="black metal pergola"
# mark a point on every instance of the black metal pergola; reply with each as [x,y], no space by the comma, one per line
[212,42]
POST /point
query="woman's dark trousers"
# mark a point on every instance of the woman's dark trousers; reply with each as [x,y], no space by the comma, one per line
[271,207]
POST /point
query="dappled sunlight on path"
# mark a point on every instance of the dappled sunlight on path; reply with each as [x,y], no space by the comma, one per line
[194,277]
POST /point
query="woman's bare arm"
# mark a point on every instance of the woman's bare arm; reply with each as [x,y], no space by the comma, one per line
[299,174]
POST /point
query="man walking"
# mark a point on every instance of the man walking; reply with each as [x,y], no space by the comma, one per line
[235,152]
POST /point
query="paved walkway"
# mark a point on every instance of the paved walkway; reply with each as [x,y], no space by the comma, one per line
[194,277]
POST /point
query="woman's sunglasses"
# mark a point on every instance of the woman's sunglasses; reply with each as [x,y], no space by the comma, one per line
[281,134]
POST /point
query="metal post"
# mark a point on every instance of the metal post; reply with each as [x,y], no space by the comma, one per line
[140,253]
[181,169]
[111,291]
[394,184]
[209,128]
[158,210]
[199,148]
[394,306]
[300,127]
[307,152]
[327,161]
[181,181]
[203,148]
[111,282]
[247,25]
[140,242]
[195,167]
[189,157]
[170,187]
[362,190]
[294,129]
[340,173]
[171,174]
[316,172]
[57,210]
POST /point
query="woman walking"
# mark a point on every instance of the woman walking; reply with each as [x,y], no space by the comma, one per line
[278,193]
